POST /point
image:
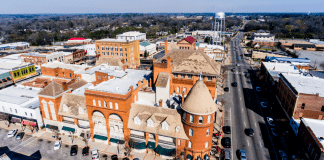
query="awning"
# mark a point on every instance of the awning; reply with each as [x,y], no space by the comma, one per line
[113,140]
[4,80]
[51,127]
[150,145]
[68,129]
[25,122]
[100,137]
[138,145]
[165,151]
[8,78]
[3,117]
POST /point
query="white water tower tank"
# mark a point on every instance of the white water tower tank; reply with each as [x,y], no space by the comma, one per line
[220,15]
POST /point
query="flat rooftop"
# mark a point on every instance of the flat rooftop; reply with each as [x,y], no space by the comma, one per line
[111,71]
[317,127]
[73,67]
[276,68]
[131,33]
[35,54]
[306,84]
[8,65]
[295,41]
[80,91]
[121,85]
[115,40]
[19,95]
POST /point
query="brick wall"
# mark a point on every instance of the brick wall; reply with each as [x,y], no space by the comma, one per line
[61,73]
[56,102]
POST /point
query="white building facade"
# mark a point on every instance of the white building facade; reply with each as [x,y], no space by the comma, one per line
[132,35]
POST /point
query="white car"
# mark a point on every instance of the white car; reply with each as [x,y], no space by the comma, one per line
[258,89]
[12,133]
[270,121]
[94,154]
[274,132]
[263,104]
[57,145]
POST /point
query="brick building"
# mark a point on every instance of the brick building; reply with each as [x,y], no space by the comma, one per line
[127,49]
[37,59]
[301,96]
[187,43]
[310,135]
[76,55]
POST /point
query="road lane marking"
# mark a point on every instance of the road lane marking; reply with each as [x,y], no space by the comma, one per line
[255,124]
[260,144]
[248,142]
[244,124]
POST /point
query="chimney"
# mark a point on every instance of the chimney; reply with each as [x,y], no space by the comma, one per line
[166,47]
[45,83]
[64,85]
[160,102]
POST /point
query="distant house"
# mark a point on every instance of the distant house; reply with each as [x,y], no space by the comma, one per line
[146,46]
[187,43]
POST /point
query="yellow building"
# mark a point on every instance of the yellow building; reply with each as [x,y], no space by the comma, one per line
[126,49]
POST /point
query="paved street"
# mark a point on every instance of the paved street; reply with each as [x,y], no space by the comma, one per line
[242,111]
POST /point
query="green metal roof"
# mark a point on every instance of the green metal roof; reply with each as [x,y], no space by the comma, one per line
[100,137]
[144,43]
[68,129]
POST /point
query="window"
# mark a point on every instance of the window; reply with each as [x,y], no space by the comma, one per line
[116,106]
[185,116]
[31,114]
[26,113]
[137,120]
[63,74]
[45,109]
[126,56]
[206,144]
[111,48]
[107,48]
[103,53]
[177,129]
[121,54]
[179,142]
[125,49]
[200,120]
[178,89]
[70,75]
[210,78]
[190,132]
[110,105]
[52,110]
[303,106]
[207,133]
[184,90]
[112,53]
[10,109]
[16,110]
[189,76]
[116,54]
[56,74]
[322,110]
[107,53]
[208,119]
[94,102]
[191,118]
[105,104]
[120,49]
[182,76]
[165,125]
[99,78]
[99,103]
[81,110]
[312,152]
[116,49]
[190,144]
[150,123]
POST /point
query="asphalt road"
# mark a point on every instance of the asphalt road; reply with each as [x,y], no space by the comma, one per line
[242,111]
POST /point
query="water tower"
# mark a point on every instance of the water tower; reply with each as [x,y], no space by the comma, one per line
[219,27]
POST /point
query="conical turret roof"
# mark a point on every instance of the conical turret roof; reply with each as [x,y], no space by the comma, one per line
[199,101]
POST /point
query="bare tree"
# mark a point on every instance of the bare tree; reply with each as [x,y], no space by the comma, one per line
[128,148]
[31,127]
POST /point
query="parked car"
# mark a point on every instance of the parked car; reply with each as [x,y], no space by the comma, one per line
[57,145]
[249,132]
[270,121]
[258,89]
[227,129]
[20,135]
[234,84]
[74,150]
[94,154]
[85,151]
[247,75]
[227,142]
[227,154]
[226,89]
[274,132]
[242,154]
[114,157]
[263,104]
[283,155]
[12,133]
[233,69]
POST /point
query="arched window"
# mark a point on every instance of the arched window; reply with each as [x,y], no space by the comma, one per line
[206,144]
[116,49]
[200,120]
[110,105]
[208,119]
[185,116]
[107,48]
[207,133]
[94,102]
[190,144]
[99,103]
[177,129]
[116,106]
[111,48]
[120,49]
[191,118]
[105,104]
[190,132]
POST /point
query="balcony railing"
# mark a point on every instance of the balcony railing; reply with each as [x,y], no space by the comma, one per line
[83,126]
[137,136]
[70,122]
[171,143]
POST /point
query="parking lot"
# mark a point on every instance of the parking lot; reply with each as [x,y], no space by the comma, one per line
[41,148]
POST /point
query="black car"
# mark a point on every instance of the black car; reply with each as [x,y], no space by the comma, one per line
[20,135]
[227,129]
[233,69]
[234,84]
[249,132]
[74,150]
[114,157]
[85,151]
[227,142]
[226,89]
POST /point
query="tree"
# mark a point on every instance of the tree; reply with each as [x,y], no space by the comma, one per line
[128,148]
[146,54]
[31,127]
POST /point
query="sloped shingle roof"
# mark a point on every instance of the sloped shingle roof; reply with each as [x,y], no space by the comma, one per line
[112,61]
[52,90]
[190,39]
[73,102]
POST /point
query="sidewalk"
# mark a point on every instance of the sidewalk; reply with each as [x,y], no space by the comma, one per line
[17,126]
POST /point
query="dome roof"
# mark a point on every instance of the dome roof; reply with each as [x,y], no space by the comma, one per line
[199,101]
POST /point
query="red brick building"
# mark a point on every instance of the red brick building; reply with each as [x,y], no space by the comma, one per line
[301,96]
[187,43]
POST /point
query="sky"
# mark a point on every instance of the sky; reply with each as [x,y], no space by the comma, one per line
[158,6]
